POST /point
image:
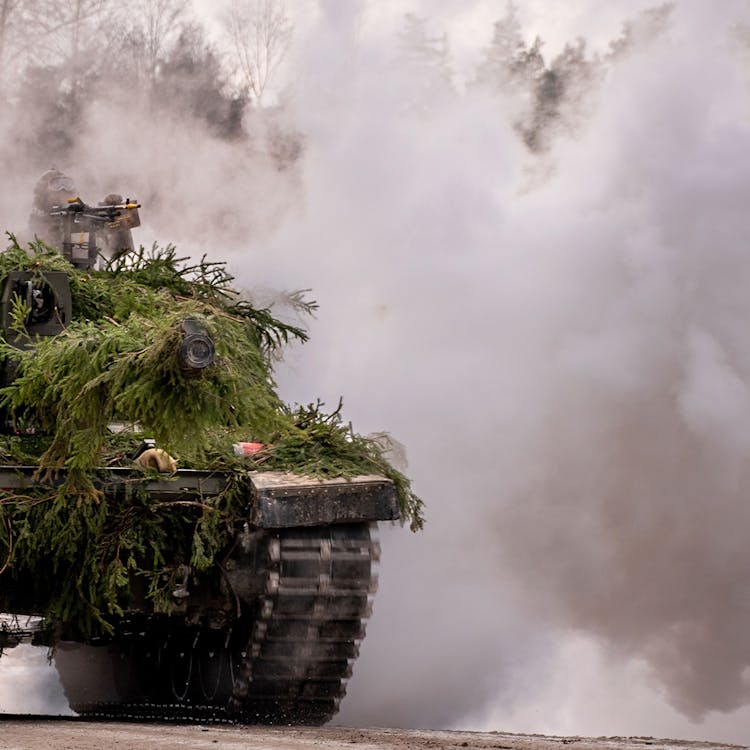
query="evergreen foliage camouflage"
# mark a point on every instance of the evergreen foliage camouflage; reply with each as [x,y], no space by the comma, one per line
[89,551]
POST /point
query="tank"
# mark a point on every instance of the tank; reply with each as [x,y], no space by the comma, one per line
[186,545]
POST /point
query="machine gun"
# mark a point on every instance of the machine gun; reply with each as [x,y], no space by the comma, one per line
[111,221]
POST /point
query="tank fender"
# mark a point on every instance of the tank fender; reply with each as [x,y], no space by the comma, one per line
[282,500]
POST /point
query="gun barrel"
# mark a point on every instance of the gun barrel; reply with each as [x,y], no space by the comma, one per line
[76,206]
[117,207]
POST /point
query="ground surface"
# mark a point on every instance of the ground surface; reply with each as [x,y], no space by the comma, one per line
[75,735]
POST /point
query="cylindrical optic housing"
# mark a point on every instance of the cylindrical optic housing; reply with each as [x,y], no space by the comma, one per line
[196,351]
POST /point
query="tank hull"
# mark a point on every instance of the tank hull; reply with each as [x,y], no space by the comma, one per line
[268,636]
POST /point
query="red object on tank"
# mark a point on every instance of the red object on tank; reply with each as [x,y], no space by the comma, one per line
[247,449]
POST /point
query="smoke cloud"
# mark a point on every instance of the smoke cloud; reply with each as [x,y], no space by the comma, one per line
[561,344]
[30,684]
[554,326]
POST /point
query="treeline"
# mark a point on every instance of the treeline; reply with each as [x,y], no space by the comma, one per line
[56,58]
[154,56]
[544,98]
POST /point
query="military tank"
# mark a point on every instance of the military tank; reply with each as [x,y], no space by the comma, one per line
[231,583]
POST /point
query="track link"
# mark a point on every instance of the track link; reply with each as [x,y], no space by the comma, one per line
[310,622]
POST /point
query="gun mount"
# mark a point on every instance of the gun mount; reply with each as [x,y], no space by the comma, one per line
[86,231]
[81,232]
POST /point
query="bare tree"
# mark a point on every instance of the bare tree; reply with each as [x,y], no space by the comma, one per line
[426,60]
[8,14]
[260,33]
[11,37]
[65,32]
[424,51]
[154,25]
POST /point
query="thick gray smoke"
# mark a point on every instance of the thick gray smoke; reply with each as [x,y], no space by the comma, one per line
[561,342]
[555,326]
[30,684]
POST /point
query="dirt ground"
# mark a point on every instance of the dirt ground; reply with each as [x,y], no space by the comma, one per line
[16,734]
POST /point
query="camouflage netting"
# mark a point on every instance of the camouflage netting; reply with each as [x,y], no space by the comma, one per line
[117,362]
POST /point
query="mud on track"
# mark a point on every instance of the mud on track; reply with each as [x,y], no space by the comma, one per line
[33,734]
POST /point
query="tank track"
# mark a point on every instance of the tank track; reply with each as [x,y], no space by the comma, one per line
[286,663]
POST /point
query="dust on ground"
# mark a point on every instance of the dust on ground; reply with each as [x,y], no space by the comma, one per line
[16,734]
